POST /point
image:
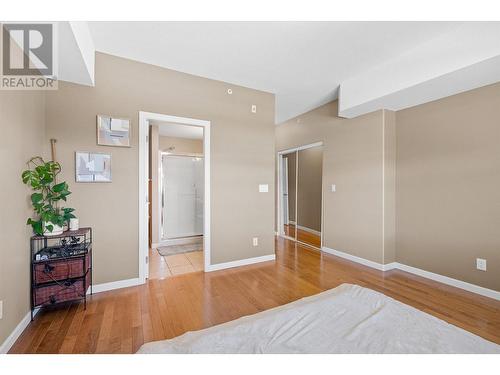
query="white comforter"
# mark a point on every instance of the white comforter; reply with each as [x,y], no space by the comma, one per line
[347,319]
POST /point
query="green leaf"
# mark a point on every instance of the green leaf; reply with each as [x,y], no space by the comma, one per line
[60,187]
[41,176]
[36,197]
[37,227]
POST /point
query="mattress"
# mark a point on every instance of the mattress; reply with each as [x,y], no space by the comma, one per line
[347,319]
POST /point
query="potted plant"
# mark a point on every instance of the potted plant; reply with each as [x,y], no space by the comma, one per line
[41,176]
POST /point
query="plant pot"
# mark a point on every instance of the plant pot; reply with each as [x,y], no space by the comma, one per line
[56,230]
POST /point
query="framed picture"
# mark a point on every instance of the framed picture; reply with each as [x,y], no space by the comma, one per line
[92,167]
[113,131]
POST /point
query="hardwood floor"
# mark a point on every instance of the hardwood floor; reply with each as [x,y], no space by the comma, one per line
[120,321]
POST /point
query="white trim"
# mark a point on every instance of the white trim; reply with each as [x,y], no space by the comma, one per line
[178,241]
[104,287]
[17,332]
[298,148]
[306,229]
[238,263]
[417,271]
[144,118]
[366,262]
[450,281]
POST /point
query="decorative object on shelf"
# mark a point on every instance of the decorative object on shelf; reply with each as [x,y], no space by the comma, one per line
[41,177]
[73,224]
[92,167]
[61,268]
[113,131]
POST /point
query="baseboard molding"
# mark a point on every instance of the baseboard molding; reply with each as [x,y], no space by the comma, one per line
[178,241]
[104,287]
[238,263]
[306,229]
[419,272]
[450,281]
[366,262]
[10,341]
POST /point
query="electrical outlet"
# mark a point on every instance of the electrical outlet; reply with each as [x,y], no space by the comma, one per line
[334,188]
[254,108]
[1,309]
[481,264]
[255,241]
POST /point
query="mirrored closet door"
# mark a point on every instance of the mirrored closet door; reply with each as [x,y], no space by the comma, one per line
[301,184]
[309,195]
[289,196]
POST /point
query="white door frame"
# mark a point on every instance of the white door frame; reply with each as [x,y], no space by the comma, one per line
[144,119]
[279,214]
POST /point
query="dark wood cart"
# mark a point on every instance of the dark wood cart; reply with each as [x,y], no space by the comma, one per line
[61,268]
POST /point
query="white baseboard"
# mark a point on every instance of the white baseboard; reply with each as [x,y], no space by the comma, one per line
[178,241]
[10,341]
[417,271]
[98,288]
[306,229]
[238,263]
[366,262]
[450,281]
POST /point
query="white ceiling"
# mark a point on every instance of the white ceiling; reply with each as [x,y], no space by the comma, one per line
[367,65]
[178,131]
[303,63]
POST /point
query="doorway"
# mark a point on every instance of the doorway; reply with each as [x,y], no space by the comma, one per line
[174,186]
[300,195]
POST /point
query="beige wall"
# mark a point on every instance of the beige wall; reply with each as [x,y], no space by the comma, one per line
[448,186]
[182,145]
[242,145]
[22,123]
[353,159]
[389,173]
[309,187]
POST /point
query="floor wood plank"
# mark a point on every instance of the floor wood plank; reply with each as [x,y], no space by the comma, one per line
[121,321]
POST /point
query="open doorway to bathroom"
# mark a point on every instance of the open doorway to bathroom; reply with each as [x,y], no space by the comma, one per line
[176,191]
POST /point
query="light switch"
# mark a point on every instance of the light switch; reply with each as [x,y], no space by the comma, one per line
[334,188]
[263,188]
[481,264]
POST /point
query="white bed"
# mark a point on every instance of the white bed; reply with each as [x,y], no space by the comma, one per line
[347,319]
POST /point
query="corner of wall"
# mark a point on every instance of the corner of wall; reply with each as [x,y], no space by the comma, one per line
[389,191]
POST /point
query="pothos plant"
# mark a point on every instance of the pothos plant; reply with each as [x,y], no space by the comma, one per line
[48,194]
